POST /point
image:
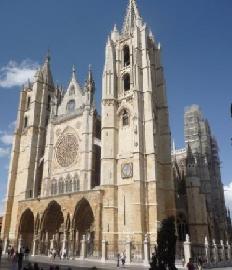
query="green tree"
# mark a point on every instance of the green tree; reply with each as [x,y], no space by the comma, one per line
[164,255]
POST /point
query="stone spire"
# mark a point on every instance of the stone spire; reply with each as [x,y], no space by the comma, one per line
[73,73]
[132,16]
[90,84]
[46,70]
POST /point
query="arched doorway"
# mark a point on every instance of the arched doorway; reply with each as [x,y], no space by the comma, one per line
[83,224]
[26,228]
[52,228]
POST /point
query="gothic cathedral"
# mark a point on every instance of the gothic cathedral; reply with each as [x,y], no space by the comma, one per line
[77,178]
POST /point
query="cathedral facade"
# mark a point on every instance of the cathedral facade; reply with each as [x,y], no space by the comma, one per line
[75,176]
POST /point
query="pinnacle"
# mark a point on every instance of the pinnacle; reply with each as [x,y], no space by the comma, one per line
[131,16]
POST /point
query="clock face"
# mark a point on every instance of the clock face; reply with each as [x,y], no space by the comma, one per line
[127,170]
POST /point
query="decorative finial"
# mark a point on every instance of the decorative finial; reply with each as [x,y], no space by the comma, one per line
[73,69]
[115,28]
[48,56]
[73,72]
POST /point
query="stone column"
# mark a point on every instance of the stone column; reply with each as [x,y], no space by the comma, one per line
[35,246]
[228,251]
[53,243]
[104,251]
[6,244]
[46,243]
[187,249]
[207,251]
[71,244]
[146,245]
[222,250]
[128,250]
[83,248]
[20,242]
[215,251]
[64,245]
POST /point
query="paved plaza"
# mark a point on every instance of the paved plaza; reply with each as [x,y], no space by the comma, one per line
[45,262]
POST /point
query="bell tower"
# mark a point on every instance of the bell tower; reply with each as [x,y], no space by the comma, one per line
[136,144]
[25,171]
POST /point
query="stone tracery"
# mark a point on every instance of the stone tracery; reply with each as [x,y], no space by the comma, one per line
[67,150]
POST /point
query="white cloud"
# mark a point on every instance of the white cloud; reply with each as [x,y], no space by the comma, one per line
[16,74]
[12,125]
[228,195]
[4,152]
[6,139]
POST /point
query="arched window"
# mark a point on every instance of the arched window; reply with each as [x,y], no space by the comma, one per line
[125,118]
[70,185]
[28,103]
[72,90]
[126,81]
[126,54]
[71,106]
[54,187]
[49,103]
[61,186]
[25,122]
[76,183]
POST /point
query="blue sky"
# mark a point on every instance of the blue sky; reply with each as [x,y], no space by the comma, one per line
[196,40]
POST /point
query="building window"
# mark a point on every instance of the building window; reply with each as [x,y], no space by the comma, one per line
[25,122]
[126,80]
[125,118]
[72,90]
[28,103]
[126,54]
[76,183]
[61,186]
[71,106]
[49,103]
[54,188]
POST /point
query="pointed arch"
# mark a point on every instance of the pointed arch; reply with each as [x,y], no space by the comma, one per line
[26,228]
[126,82]
[83,224]
[61,185]
[126,55]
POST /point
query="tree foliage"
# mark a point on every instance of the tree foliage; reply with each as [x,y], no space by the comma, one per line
[164,255]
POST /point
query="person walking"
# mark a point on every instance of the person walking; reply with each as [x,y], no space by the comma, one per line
[0,254]
[20,260]
[123,259]
[118,259]
[14,261]
[190,264]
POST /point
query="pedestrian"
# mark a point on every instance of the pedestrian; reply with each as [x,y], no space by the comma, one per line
[190,264]
[12,252]
[8,252]
[118,259]
[27,251]
[123,259]
[54,254]
[20,260]
[14,261]
[0,254]
[36,266]
[200,263]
